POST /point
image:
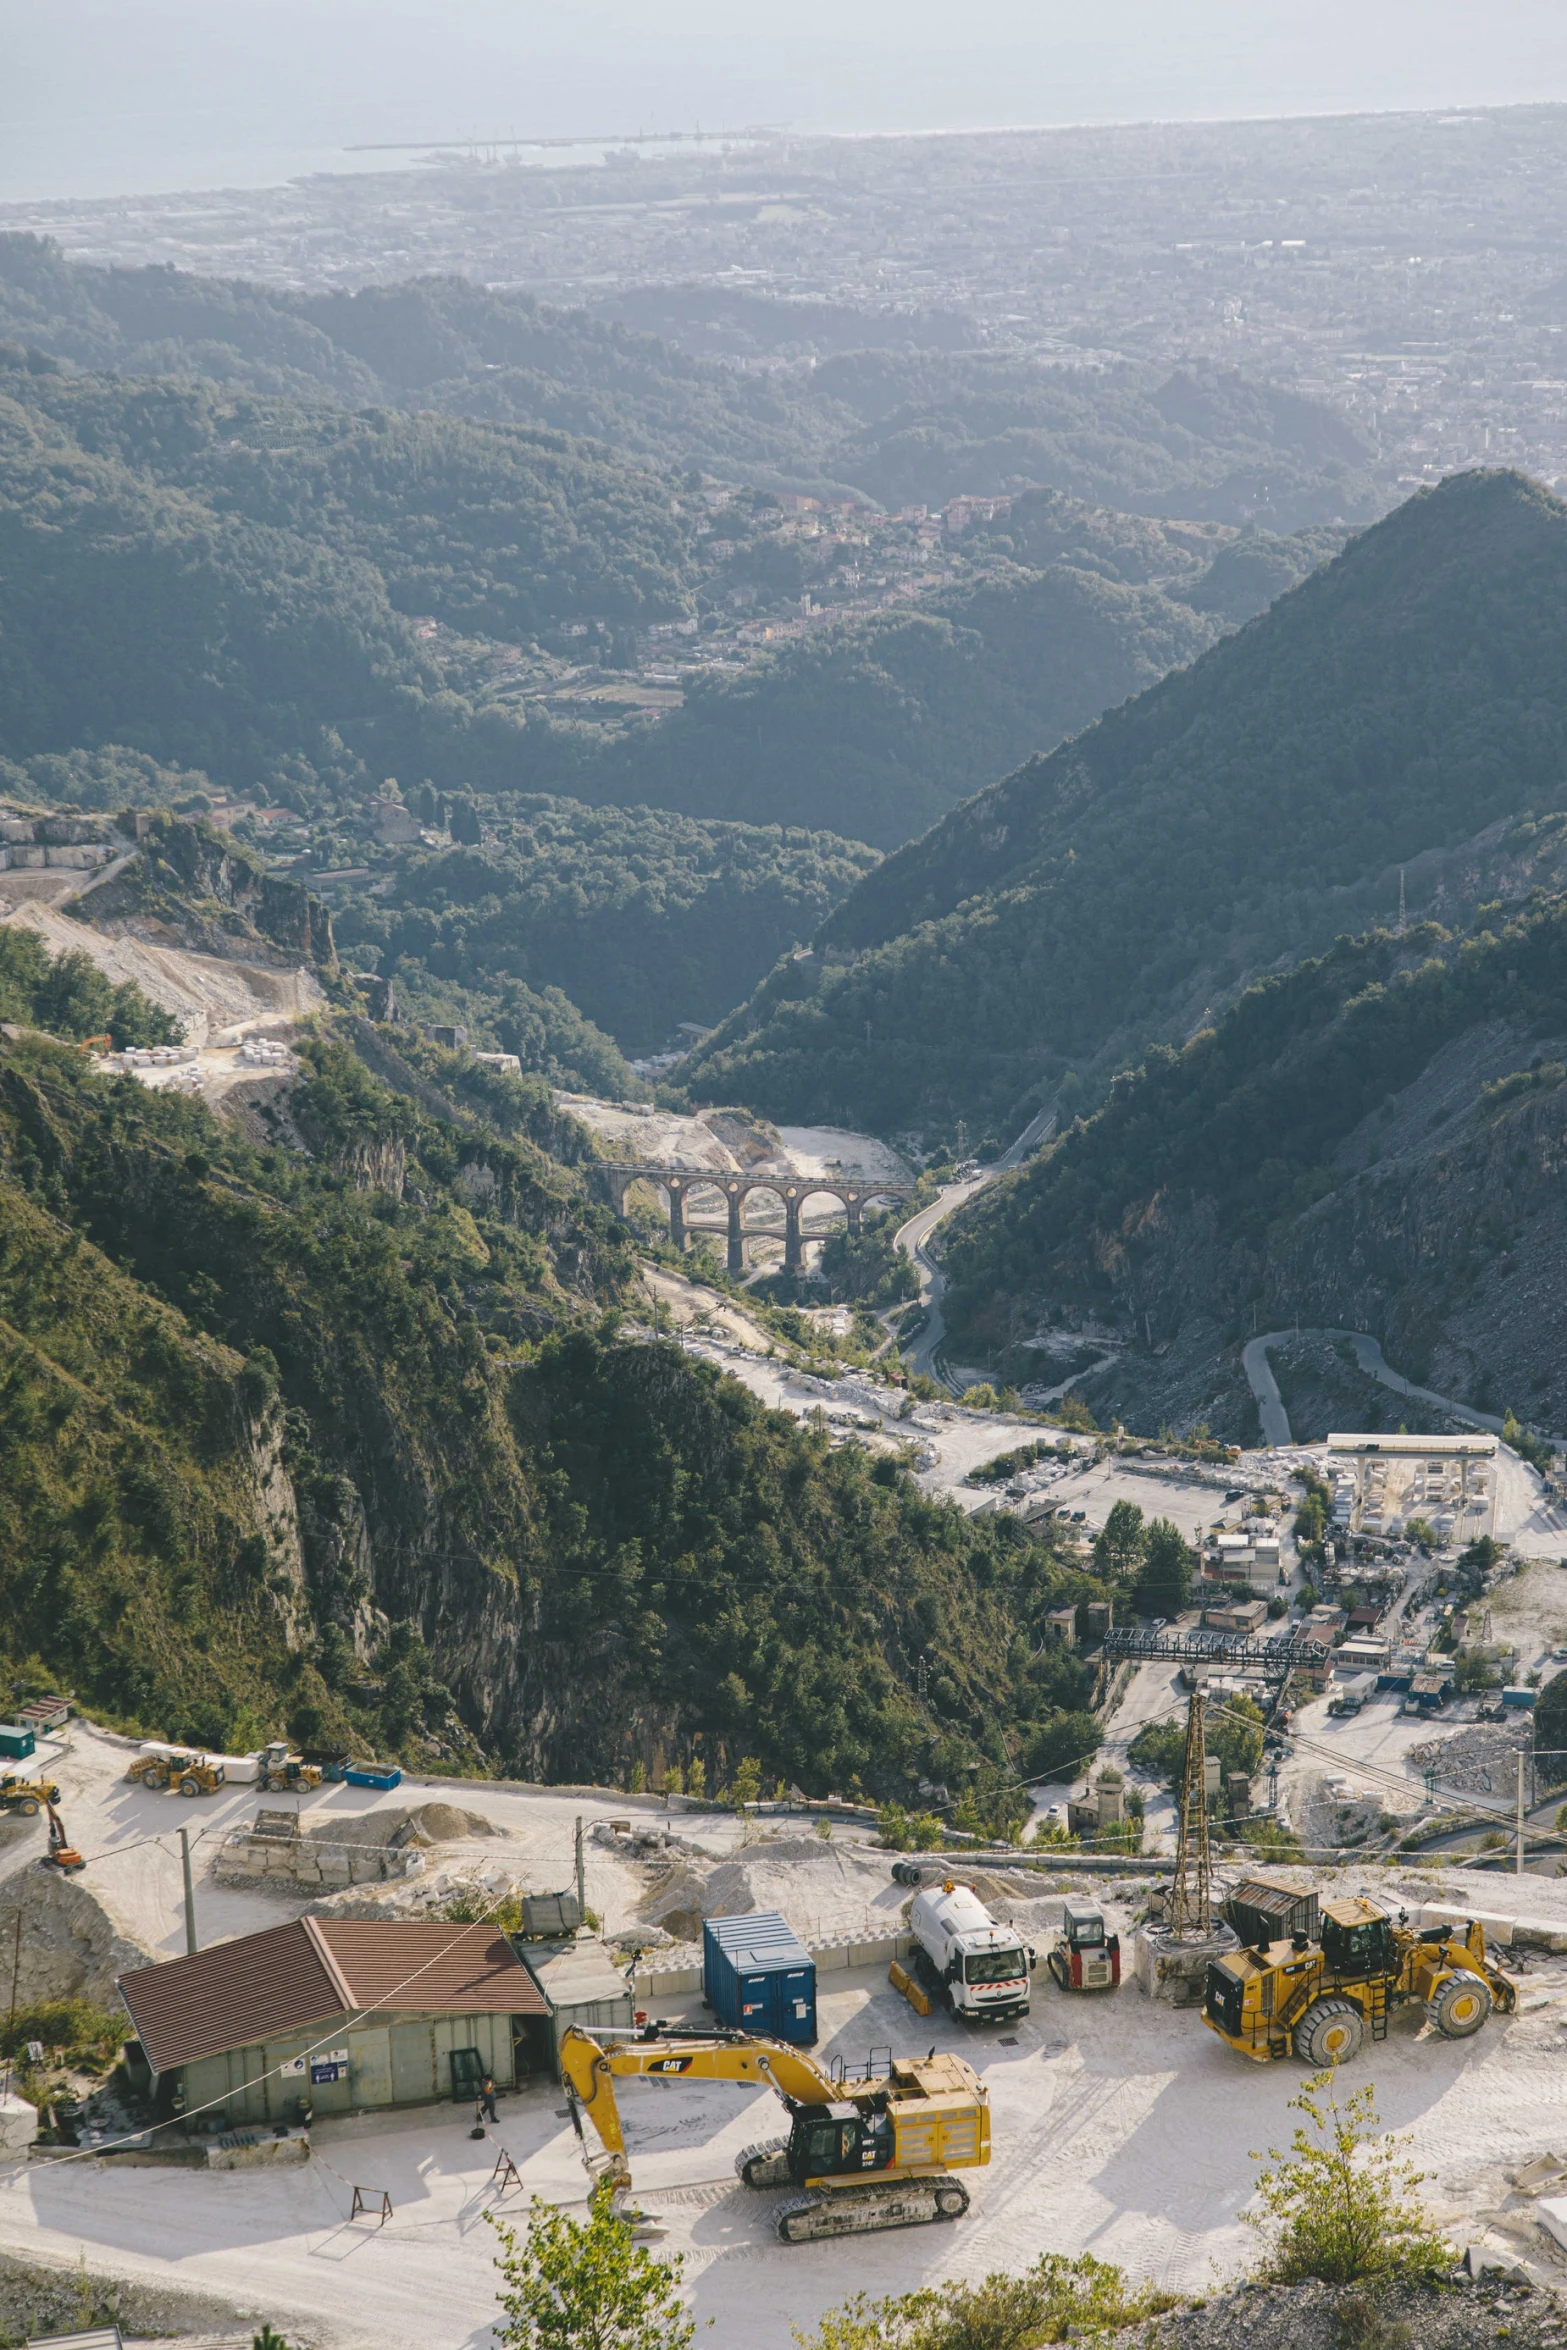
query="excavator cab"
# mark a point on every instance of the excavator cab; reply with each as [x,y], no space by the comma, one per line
[838,2141]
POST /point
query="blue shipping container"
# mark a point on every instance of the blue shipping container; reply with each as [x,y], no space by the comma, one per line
[757,1976]
[16,1741]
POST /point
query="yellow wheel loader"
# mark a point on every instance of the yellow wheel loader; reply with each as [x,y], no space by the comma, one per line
[192,1774]
[870,2151]
[27,1796]
[280,1773]
[1321,2001]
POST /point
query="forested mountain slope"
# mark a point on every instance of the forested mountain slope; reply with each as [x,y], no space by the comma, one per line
[223,581]
[1233,817]
[339,1440]
[881,727]
[643,919]
[286,592]
[896,424]
[1370,1142]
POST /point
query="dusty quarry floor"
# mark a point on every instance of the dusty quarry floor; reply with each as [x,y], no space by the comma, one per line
[1119,2127]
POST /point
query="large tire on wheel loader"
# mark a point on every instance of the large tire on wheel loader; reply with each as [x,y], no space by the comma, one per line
[1332,2031]
[1459,2005]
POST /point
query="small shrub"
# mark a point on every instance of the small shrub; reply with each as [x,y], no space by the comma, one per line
[1341,2205]
[1057,2300]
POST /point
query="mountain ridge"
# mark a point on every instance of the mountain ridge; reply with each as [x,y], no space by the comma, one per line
[1397,701]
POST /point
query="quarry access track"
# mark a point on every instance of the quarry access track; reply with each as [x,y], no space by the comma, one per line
[1369,1356]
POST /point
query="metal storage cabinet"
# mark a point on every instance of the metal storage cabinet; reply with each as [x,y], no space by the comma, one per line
[757,1976]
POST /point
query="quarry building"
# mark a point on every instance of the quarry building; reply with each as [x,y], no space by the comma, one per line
[336,2015]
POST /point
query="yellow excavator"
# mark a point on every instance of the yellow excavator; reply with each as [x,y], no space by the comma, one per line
[867,2151]
[1322,2000]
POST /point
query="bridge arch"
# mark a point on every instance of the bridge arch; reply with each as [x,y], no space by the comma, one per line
[678,1186]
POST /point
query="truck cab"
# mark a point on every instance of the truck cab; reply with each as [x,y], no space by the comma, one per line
[1084,1957]
[977,1968]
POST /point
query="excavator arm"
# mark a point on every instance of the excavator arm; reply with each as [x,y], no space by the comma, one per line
[590,2070]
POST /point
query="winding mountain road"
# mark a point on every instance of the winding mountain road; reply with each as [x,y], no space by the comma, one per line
[1368,1354]
[913,1236]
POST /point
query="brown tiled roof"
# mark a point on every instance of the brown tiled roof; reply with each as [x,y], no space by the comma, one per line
[240,1993]
[429,1967]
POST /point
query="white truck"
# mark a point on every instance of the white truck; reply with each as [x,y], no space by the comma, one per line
[963,1958]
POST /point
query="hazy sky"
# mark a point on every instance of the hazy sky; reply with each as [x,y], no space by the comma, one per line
[98,96]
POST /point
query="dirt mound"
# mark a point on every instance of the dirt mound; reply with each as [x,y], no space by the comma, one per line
[401,1825]
[70,1947]
[677,1903]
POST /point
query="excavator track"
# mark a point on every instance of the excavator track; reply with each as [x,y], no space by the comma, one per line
[858,2210]
[764,2165]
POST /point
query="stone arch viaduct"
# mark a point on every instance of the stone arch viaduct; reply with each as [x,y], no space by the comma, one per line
[792,1191]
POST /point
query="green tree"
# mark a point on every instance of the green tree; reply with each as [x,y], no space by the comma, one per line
[992,1805]
[1120,1547]
[1340,2204]
[746,1785]
[1164,1586]
[908,1831]
[1232,1731]
[587,2284]
[1479,1557]
[1061,1746]
[1422,1531]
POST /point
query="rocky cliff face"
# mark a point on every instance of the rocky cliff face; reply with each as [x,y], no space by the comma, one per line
[190,886]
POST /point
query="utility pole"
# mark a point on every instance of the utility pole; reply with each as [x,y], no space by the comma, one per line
[582,1891]
[191,1944]
[10,2037]
[1520,1811]
[1191,1912]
